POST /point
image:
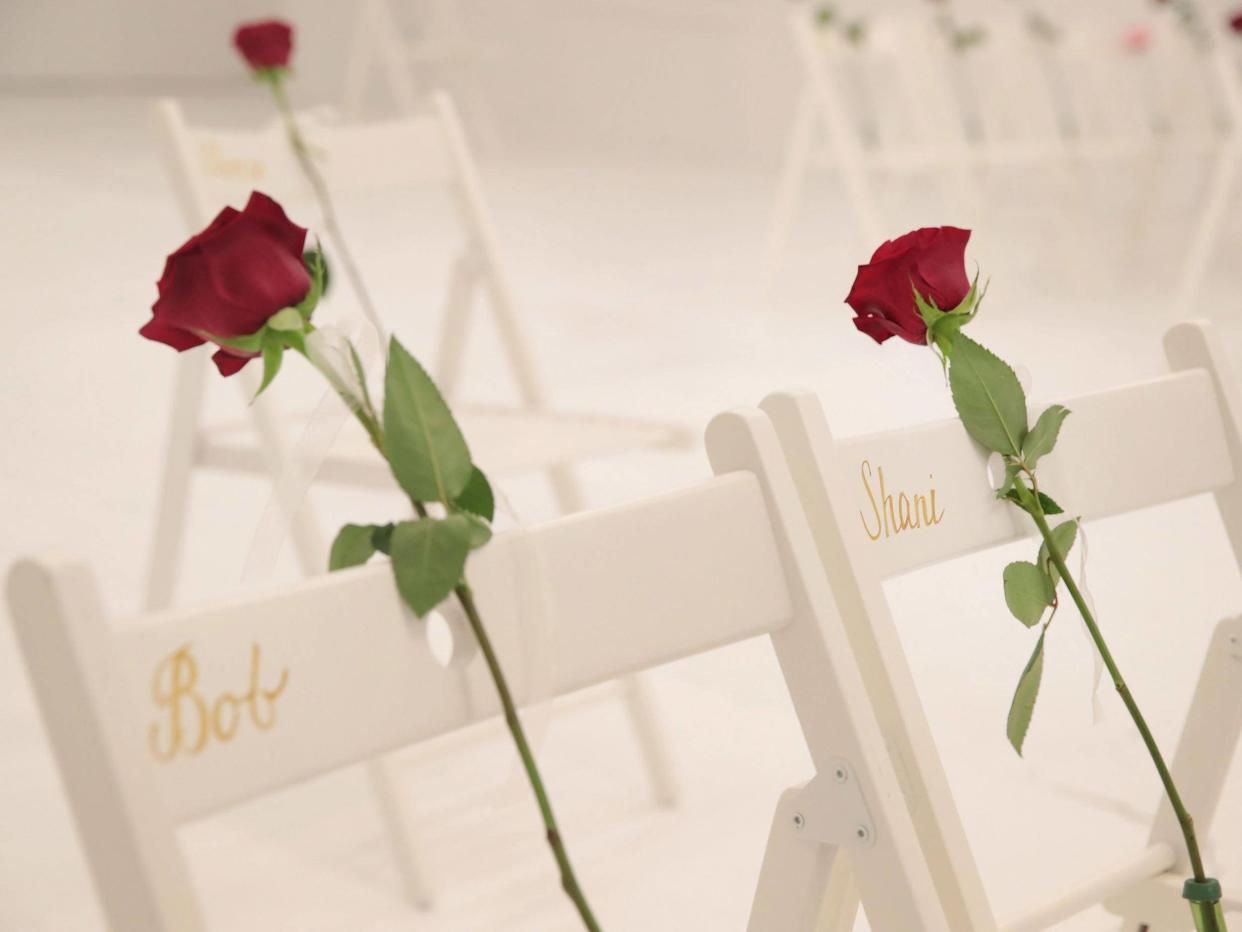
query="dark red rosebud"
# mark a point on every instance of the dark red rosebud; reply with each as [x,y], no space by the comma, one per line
[229,279]
[931,260]
[265,44]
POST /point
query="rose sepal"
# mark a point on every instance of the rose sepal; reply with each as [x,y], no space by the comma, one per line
[317,266]
[271,76]
[944,326]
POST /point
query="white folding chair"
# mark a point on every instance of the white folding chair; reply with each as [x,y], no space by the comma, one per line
[901,102]
[1205,239]
[212,167]
[339,672]
[441,55]
[1179,435]
[772,546]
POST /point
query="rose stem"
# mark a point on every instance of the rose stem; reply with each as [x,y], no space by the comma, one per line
[569,881]
[1184,818]
[330,222]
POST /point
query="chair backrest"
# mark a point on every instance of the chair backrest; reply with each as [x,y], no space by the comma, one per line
[883,504]
[213,166]
[178,715]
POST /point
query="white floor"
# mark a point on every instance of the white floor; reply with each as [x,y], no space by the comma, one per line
[641,286]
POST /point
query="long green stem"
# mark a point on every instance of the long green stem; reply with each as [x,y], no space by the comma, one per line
[1170,788]
[333,227]
[367,415]
[569,881]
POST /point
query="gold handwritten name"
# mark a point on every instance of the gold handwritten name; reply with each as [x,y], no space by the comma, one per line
[894,515]
[189,720]
[221,166]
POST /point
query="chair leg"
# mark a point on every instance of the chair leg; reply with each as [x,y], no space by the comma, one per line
[415,881]
[308,541]
[840,910]
[174,500]
[793,177]
[1206,233]
[450,355]
[652,742]
[794,877]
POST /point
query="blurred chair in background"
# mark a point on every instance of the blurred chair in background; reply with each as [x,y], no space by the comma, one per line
[439,56]
[210,168]
[902,100]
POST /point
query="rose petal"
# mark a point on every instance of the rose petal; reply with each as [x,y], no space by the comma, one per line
[941,267]
[190,301]
[252,273]
[163,332]
[272,217]
[228,362]
[875,327]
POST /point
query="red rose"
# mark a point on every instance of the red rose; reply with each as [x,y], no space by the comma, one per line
[1235,21]
[265,44]
[931,260]
[228,280]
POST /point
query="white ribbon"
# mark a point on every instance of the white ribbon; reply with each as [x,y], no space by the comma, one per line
[1097,678]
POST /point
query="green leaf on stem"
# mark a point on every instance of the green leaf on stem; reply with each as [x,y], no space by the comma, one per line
[480,530]
[1028,592]
[988,397]
[1023,705]
[1049,506]
[1063,536]
[1043,436]
[425,447]
[1005,489]
[477,497]
[381,537]
[354,545]
[428,557]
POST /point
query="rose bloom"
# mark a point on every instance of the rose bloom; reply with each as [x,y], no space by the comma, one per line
[265,44]
[1235,21]
[931,260]
[229,279]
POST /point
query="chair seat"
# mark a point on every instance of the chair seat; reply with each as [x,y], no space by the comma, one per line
[503,440]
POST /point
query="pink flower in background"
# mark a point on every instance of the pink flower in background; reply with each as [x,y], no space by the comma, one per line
[1136,38]
[265,44]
